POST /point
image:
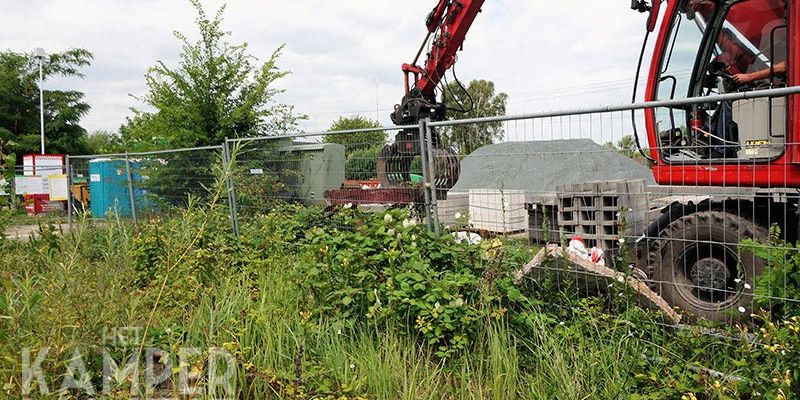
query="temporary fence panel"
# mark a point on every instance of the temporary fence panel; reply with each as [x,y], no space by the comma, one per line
[138,185]
[712,241]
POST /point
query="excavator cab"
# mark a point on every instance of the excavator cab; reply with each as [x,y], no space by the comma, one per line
[714,47]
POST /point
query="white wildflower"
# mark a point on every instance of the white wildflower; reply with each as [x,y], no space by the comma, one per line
[561,323]
[338,331]
[352,366]
[620,279]
[747,286]
[387,218]
[621,240]
[409,222]
[737,280]
[348,205]
[742,309]
[390,232]
[610,285]
[458,215]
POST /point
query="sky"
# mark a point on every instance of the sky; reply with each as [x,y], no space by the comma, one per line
[344,55]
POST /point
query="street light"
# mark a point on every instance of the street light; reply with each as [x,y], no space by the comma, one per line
[40,54]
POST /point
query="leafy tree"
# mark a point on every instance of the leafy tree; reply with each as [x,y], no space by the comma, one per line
[359,140]
[103,142]
[216,91]
[626,146]
[478,99]
[19,105]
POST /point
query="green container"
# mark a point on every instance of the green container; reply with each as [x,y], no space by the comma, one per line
[308,170]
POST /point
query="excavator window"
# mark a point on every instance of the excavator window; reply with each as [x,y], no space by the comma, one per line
[716,48]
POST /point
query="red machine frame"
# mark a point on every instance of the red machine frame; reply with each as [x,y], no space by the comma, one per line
[781,172]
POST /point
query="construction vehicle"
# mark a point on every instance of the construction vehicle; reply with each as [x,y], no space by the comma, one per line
[727,170]
[447,25]
[738,162]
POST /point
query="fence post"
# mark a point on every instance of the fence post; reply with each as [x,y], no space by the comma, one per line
[226,157]
[425,178]
[130,189]
[68,170]
[432,175]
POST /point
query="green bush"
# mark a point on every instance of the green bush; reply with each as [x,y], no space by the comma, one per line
[781,278]
[384,267]
[362,164]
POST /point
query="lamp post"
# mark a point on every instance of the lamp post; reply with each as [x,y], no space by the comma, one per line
[40,54]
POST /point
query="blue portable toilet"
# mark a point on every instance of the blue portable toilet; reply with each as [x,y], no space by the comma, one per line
[108,187]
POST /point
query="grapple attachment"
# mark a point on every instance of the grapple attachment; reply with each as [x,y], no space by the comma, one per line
[397,163]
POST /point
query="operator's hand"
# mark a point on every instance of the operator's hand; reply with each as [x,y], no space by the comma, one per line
[743,79]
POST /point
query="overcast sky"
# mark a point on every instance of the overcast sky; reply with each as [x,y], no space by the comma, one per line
[344,55]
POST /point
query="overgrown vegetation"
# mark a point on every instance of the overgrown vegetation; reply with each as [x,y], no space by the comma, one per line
[312,304]
[781,278]
[357,305]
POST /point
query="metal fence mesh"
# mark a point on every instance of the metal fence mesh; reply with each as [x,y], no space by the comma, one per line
[713,239]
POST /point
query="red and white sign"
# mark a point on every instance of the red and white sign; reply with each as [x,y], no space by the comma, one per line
[43,167]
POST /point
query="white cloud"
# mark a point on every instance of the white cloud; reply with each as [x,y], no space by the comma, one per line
[337,50]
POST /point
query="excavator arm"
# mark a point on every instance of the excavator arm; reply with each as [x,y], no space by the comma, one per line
[447,25]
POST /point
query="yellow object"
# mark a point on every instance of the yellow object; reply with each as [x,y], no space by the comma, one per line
[57,187]
[80,192]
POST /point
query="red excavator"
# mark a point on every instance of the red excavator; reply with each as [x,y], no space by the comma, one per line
[730,170]
[735,165]
[447,26]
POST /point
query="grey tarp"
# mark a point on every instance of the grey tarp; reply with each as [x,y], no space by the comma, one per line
[541,166]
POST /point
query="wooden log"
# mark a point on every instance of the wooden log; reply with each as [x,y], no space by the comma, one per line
[604,276]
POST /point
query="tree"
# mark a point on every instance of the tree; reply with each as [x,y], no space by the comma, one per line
[359,140]
[103,142]
[627,146]
[477,100]
[216,91]
[19,105]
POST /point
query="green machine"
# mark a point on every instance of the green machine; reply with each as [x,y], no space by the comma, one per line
[308,170]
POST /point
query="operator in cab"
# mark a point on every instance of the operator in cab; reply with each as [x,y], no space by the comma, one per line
[752,43]
[750,52]
[764,23]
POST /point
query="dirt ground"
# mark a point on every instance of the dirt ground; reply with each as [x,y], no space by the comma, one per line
[25,232]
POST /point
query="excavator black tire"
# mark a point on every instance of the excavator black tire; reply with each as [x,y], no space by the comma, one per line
[698,265]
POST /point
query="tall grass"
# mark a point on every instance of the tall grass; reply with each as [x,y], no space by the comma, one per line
[188,282]
[65,291]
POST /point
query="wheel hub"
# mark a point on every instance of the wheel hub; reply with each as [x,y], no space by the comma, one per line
[709,274]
